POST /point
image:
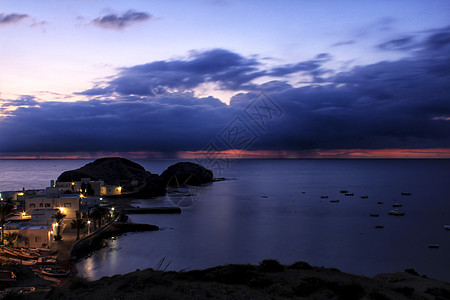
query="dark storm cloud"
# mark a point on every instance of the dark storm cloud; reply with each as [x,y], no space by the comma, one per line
[115,21]
[163,124]
[11,18]
[435,40]
[389,104]
[24,100]
[403,43]
[228,69]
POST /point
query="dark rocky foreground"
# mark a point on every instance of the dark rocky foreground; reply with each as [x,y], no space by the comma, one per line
[135,181]
[268,280]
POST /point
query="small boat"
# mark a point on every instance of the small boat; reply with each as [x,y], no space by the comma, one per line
[19,253]
[406,194]
[343,191]
[434,246]
[447,227]
[379,226]
[349,194]
[43,261]
[324,197]
[334,201]
[380,202]
[396,205]
[29,262]
[374,215]
[264,196]
[55,273]
[396,212]
[364,197]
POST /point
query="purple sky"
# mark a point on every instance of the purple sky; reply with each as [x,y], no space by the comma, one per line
[165,77]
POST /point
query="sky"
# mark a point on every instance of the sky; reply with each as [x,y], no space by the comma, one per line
[224,78]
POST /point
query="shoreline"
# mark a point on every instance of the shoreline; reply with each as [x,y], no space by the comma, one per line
[268,280]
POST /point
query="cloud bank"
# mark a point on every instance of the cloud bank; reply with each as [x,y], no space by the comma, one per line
[6,19]
[118,22]
[401,104]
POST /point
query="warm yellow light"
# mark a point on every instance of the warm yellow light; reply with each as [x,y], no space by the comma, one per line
[119,189]
[24,214]
[81,195]
[20,194]
[73,183]
[51,232]
[89,222]
[112,208]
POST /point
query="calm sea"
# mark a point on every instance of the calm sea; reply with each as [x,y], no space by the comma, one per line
[274,209]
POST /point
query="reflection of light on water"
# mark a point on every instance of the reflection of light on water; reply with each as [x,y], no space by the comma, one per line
[93,266]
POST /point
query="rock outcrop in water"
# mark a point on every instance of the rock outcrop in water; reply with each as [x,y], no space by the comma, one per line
[187,173]
[134,179]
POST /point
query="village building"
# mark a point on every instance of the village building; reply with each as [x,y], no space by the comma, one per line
[36,232]
[67,204]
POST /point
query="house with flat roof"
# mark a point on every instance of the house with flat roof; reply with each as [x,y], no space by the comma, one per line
[67,204]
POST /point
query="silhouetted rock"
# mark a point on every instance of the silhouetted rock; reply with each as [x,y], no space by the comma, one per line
[134,179]
[187,173]
[112,170]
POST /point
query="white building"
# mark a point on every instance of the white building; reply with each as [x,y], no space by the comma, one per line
[33,236]
[37,232]
[67,204]
[98,187]
[110,190]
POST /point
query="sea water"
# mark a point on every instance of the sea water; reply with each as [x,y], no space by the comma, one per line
[274,209]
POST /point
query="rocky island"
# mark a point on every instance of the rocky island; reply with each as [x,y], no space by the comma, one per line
[134,180]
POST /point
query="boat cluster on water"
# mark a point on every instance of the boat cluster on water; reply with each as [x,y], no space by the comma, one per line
[395,211]
[41,260]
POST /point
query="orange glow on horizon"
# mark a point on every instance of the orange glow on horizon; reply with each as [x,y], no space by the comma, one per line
[320,153]
[249,154]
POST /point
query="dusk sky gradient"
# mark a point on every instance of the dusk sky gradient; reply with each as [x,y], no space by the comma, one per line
[89,78]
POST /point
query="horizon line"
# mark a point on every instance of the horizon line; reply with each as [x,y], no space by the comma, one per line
[430,153]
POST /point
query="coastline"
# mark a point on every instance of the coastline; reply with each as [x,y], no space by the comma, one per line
[268,280]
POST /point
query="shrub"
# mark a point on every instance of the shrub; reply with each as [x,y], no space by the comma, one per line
[270,265]
[300,265]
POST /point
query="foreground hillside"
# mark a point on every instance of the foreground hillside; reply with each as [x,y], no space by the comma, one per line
[269,280]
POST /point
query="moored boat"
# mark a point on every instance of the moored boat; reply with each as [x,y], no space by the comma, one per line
[55,273]
[31,262]
[447,227]
[42,261]
[19,253]
[396,212]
